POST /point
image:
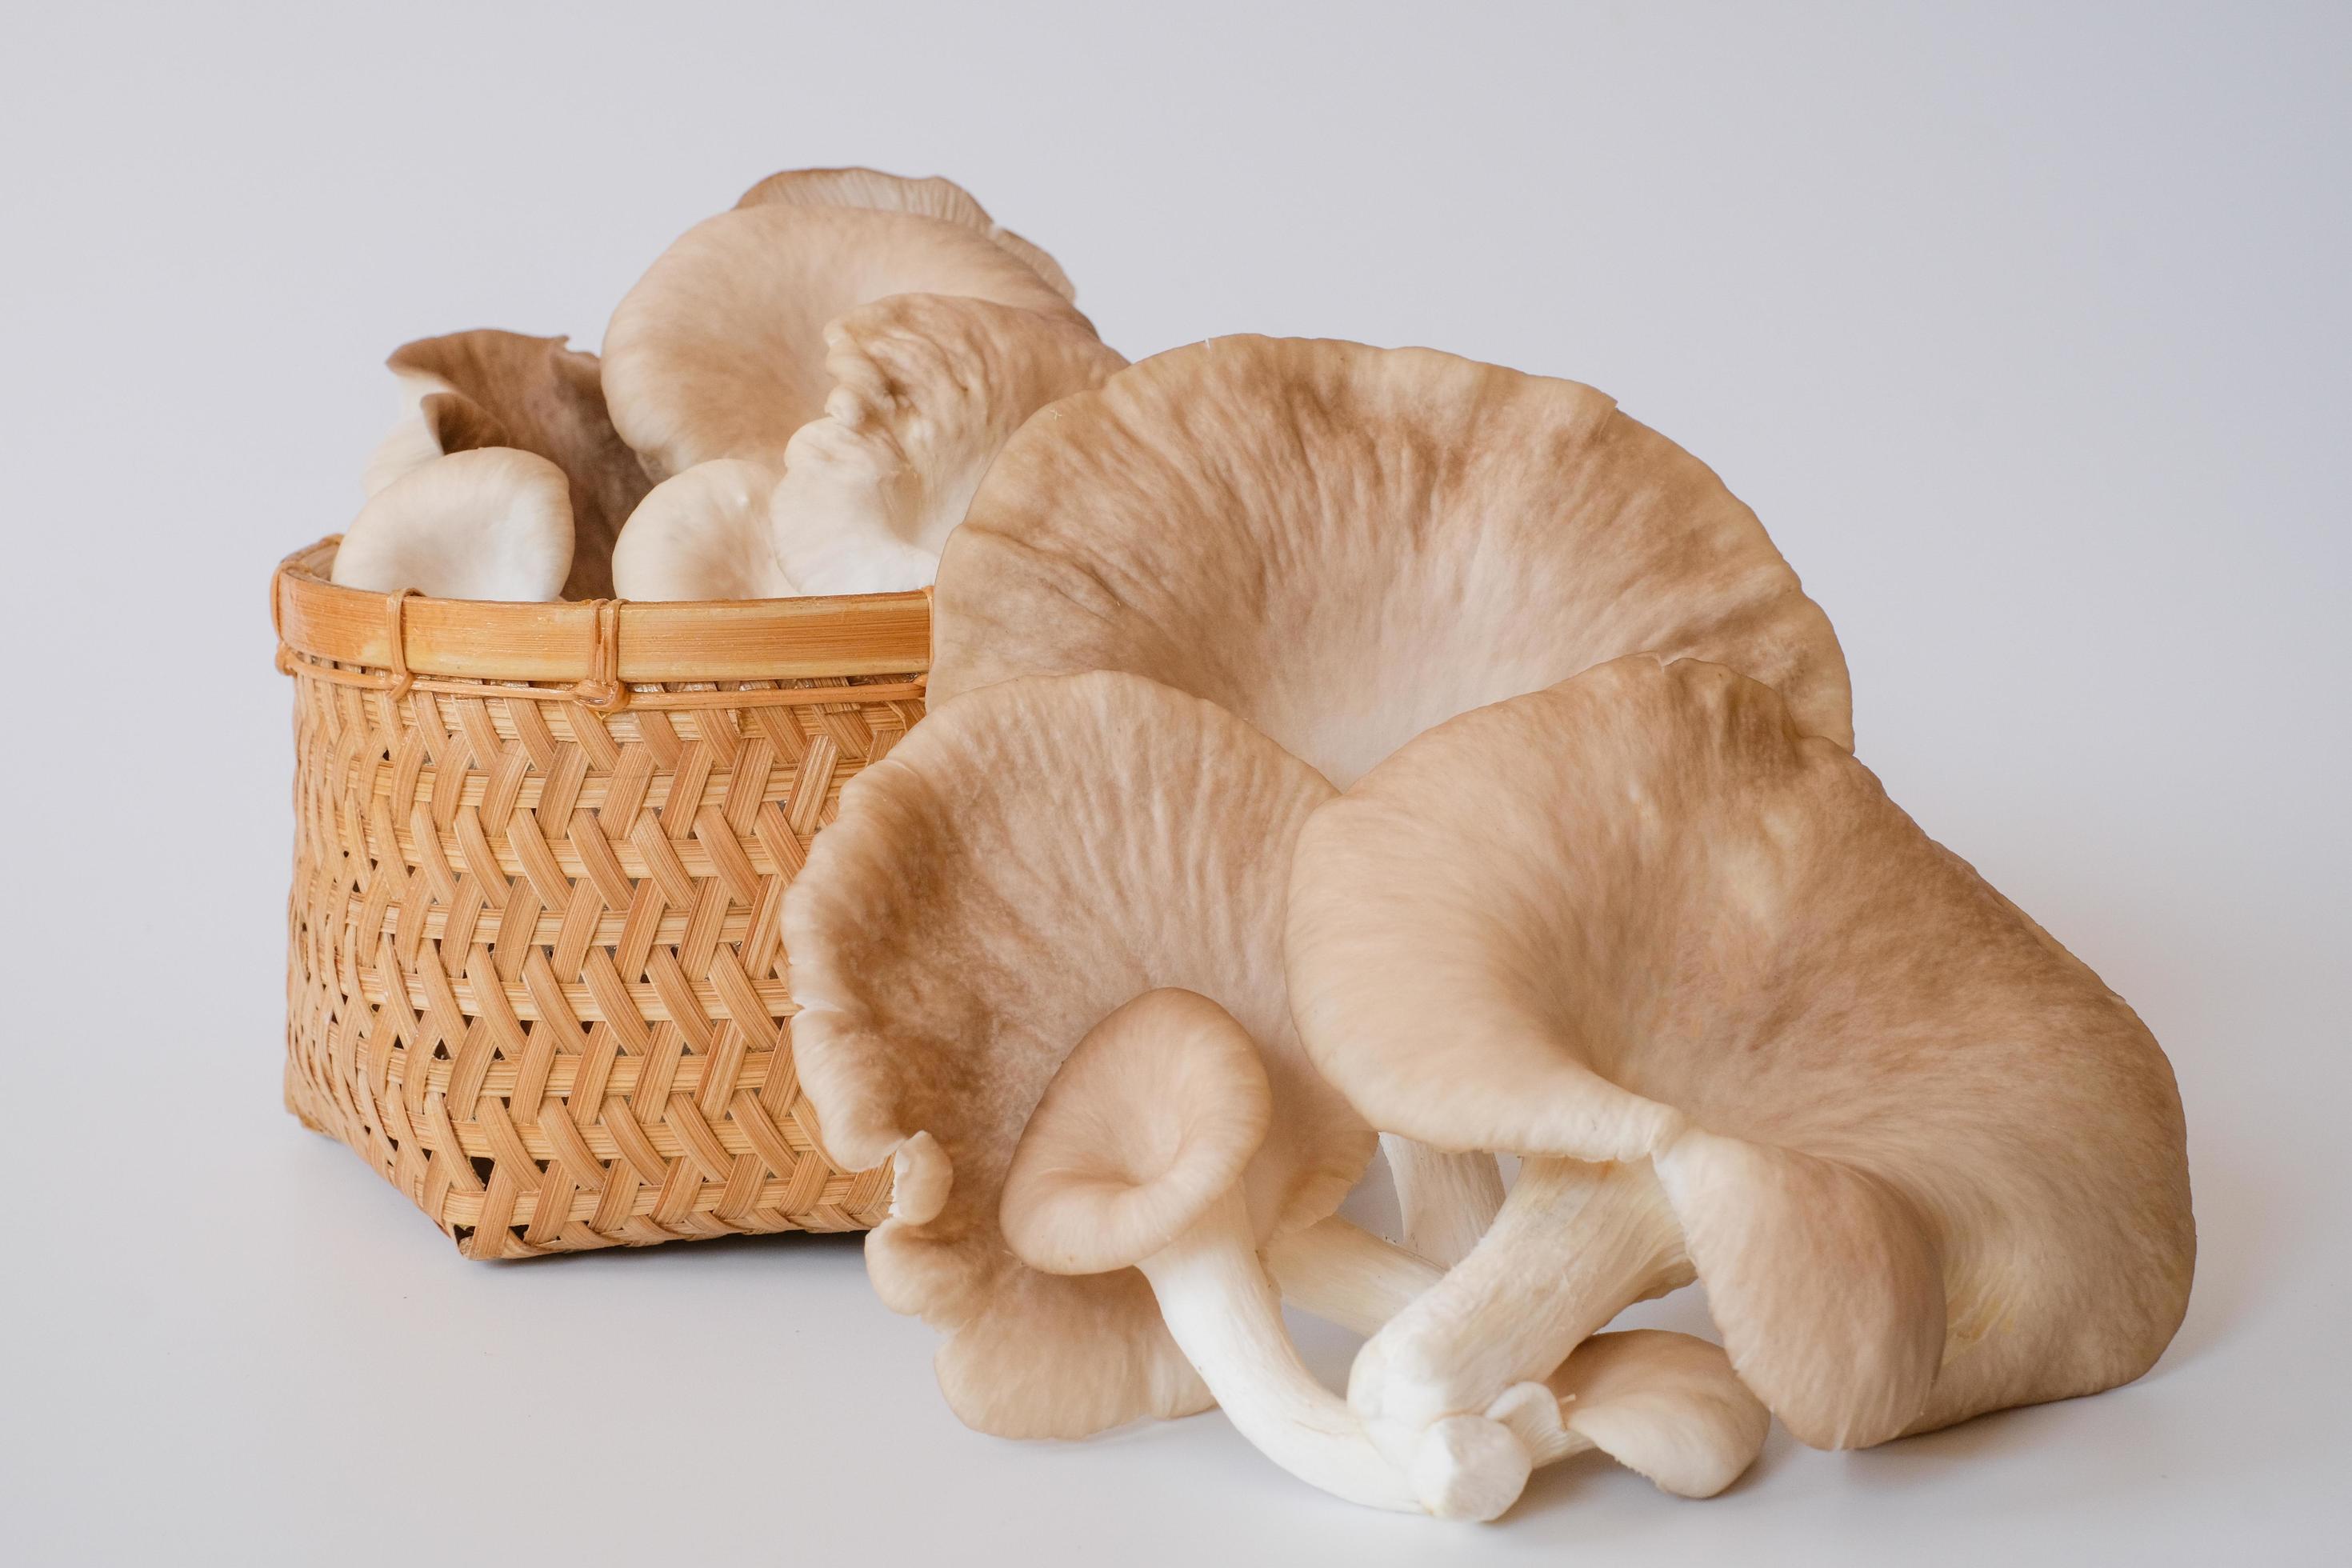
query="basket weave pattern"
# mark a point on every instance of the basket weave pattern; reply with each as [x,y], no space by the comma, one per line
[535,973]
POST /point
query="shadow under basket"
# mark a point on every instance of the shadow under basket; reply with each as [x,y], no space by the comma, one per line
[535,973]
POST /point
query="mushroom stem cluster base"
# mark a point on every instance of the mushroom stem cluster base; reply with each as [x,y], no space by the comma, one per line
[1666,1405]
[1574,1245]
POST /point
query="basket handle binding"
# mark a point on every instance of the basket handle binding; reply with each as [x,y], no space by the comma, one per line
[603,691]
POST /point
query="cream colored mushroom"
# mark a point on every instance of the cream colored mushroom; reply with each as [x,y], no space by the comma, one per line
[1734,1007]
[491,524]
[706,533]
[1134,1158]
[1345,545]
[490,388]
[931,197]
[869,342]
[1028,859]
[719,351]
[1665,1405]
[433,421]
[926,390]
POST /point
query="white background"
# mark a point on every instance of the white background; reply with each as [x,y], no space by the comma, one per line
[2024,331]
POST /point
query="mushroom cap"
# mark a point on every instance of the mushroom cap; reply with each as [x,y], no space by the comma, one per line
[719,351]
[1027,860]
[1925,1163]
[434,421]
[703,534]
[926,390]
[416,435]
[490,388]
[1345,545]
[930,197]
[1146,1125]
[492,523]
[1665,1404]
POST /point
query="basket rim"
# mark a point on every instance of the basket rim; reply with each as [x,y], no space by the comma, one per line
[592,640]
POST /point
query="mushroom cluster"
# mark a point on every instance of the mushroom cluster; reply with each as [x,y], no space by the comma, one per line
[1334,751]
[799,396]
[1329,741]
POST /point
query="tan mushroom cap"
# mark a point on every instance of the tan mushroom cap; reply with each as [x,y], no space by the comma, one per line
[719,351]
[491,388]
[930,197]
[1666,1405]
[1925,1163]
[926,390]
[703,534]
[1027,860]
[1345,545]
[492,523]
[1147,1125]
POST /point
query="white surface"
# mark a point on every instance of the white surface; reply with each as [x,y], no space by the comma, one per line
[2025,332]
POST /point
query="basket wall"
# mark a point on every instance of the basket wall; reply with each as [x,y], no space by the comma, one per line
[534,973]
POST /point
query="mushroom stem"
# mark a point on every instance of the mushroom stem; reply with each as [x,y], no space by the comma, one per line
[1344,1274]
[1137,1156]
[1574,1245]
[1447,1200]
[1666,1405]
[1226,1317]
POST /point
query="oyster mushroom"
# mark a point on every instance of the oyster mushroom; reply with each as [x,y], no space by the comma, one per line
[704,534]
[877,191]
[1027,860]
[1665,1405]
[719,351]
[926,390]
[1345,545]
[1134,1158]
[1734,1007]
[490,388]
[491,523]
[868,341]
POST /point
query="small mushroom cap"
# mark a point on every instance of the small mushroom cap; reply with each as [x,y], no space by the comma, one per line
[1345,545]
[719,351]
[703,534]
[926,390]
[434,420]
[879,191]
[1151,1120]
[1029,859]
[1925,1163]
[493,523]
[1665,1404]
[488,388]
[416,435]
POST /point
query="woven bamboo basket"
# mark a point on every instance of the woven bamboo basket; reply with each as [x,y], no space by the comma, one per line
[534,970]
